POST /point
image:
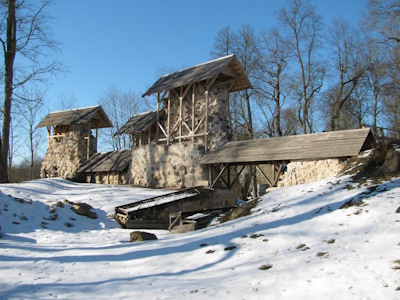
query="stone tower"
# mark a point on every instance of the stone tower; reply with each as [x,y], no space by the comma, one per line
[70,139]
[191,119]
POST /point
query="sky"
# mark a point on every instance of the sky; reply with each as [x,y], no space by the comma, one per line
[128,43]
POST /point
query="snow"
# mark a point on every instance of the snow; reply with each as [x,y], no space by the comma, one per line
[296,244]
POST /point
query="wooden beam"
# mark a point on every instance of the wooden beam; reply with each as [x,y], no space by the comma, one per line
[158,116]
[276,179]
[237,177]
[193,108]
[219,175]
[206,123]
[88,142]
[180,112]
[169,118]
[265,176]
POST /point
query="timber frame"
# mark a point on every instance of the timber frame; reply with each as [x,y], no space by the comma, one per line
[277,168]
[278,152]
[60,122]
[223,71]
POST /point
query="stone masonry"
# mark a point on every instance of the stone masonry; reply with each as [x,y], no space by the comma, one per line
[65,154]
[177,165]
[299,172]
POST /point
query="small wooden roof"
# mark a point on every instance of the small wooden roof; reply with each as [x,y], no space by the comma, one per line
[138,123]
[225,69]
[107,162]
[334,144]
[94,115]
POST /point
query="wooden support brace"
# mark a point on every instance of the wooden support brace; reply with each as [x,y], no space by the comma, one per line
[265,176]
[219,175]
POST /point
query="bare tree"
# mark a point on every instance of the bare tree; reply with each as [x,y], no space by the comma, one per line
[224,44]
[383,16]
[302,27]
[66,102]
[26,41]
[120,107]
[274,87]
[30,112]
[383,22]
[347,68]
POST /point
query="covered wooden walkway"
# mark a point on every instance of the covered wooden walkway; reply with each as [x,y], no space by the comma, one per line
[280,151]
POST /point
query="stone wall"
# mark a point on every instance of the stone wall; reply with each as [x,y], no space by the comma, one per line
[299,172]
[65,154]
[176,165]
[218,121]
[109,178]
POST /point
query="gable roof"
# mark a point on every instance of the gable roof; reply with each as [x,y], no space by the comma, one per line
[334,144]
[94,115]
[139,123]
[107,162]
[226,68]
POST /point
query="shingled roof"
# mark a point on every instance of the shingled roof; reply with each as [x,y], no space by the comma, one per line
[138,123]
[107,162]
[226,68]
[334,144]
[94,115]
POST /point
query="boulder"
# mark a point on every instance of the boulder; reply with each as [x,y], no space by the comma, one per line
[392,161]
[140,236]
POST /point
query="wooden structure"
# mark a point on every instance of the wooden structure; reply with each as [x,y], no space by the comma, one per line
[279,151]
[141,128]
[160,212]
[91,117]
[225,71]
[106,165]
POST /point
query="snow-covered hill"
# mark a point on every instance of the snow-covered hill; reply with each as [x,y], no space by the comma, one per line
[297,244]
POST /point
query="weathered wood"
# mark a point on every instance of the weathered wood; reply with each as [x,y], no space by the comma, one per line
[302,147]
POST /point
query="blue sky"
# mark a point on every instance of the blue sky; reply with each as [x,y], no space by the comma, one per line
[126,43]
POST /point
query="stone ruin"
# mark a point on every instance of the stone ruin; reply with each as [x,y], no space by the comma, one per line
[70,139]
[177,164]
[66,153]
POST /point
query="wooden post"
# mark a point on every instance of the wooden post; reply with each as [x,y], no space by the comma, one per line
[193,108]
[169,118]
[88,142]
[206,120]
[149,140]
[158,116]
[180,113]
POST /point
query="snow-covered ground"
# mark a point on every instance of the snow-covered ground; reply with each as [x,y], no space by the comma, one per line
[297,244]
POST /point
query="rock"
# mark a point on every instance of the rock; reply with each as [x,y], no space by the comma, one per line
[392,161]
[398,210]
[91,215]
[80,209]
[140,236]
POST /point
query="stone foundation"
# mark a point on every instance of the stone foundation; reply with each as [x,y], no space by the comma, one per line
[176,165]
[300,172]
[109,178]
[66,153]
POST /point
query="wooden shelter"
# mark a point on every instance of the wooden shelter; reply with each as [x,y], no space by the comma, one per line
[92,117]
[282,150]
[108,167]
[225,71]
[140,127]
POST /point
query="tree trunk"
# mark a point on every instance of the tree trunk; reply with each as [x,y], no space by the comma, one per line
[9,55]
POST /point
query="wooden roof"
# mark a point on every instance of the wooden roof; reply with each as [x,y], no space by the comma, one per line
[94,115]
[138,123]
[225,69]
[334,144]
[107,162]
